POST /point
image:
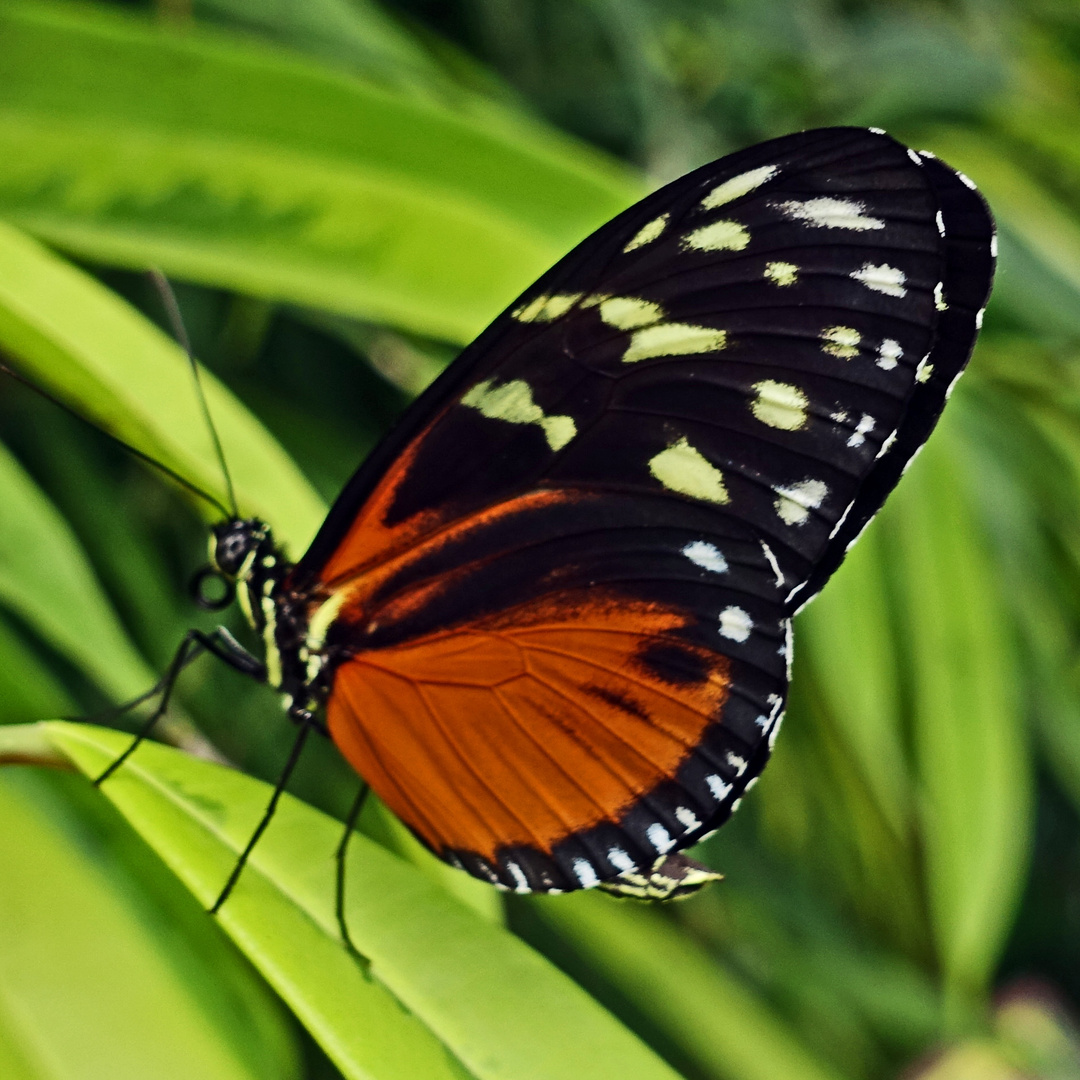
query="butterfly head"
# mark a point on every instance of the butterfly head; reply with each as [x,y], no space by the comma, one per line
[236,545]
[240,550]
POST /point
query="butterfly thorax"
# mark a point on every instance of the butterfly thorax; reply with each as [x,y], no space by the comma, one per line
[245,552]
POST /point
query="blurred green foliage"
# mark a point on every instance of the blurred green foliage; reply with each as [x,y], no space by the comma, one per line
[345,193]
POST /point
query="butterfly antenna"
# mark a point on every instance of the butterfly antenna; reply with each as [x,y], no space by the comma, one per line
[133,450]
[176,321]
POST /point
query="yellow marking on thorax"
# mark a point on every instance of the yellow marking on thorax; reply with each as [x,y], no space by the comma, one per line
[319,623]
[684,469]
[243,592]
[513,403]
[270,650]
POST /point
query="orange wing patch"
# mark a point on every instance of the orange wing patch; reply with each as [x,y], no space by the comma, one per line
[529,727]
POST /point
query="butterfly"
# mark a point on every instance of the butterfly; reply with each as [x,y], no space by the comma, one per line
[548,620]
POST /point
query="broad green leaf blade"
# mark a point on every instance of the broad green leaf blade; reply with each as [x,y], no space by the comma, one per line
[90,348]
[88,987]
[237,165]
[45,578]
[15,1060]
[29,688]
[849,643]
[973,760]
[497,1005]
[383,826]
[357,34]
[712,1015]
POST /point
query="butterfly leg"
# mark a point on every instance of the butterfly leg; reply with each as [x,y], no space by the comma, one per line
[222,645]
[283,779]
[339,856]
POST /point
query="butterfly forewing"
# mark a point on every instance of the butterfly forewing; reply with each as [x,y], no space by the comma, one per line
[561,590]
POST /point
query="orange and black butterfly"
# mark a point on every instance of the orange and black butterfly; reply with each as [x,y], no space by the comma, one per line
[549,619]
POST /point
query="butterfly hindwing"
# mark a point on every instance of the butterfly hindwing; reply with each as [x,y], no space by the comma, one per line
[561,590]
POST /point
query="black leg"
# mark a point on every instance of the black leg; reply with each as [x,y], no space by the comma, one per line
[283,779]
[189,649]
[339,857]
[222,644]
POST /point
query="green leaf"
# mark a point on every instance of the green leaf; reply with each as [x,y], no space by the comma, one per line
[712,1015]
[78,339]
[90,986]
[237,165]
[848,639]
[497,1005]
[355,33]
[973,760]
[46,579]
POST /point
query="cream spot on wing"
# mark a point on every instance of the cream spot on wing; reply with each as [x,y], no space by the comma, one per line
[842,341]
[979,318]
[738,186]
[735,623]
[939,297]
[914,156]
[545,307]
[782,273]
[966,180]
[940,222]
[659,837]
[886,446]
[521,883]
[882,278]
[586,874]
[794,503]
[628,312]
[889,352]
[649,232]
[683,469]
[771,559]
[620,860]
[719,236]
[513,403]
[777,724]
[673,339]
[862,429]
[720,790]
[924,370]
[780,405]
[687,818]
[829,213]
[707,556]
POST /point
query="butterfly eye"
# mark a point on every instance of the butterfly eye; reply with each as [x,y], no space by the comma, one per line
[211,589]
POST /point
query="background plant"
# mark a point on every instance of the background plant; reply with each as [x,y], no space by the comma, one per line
[345,194]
